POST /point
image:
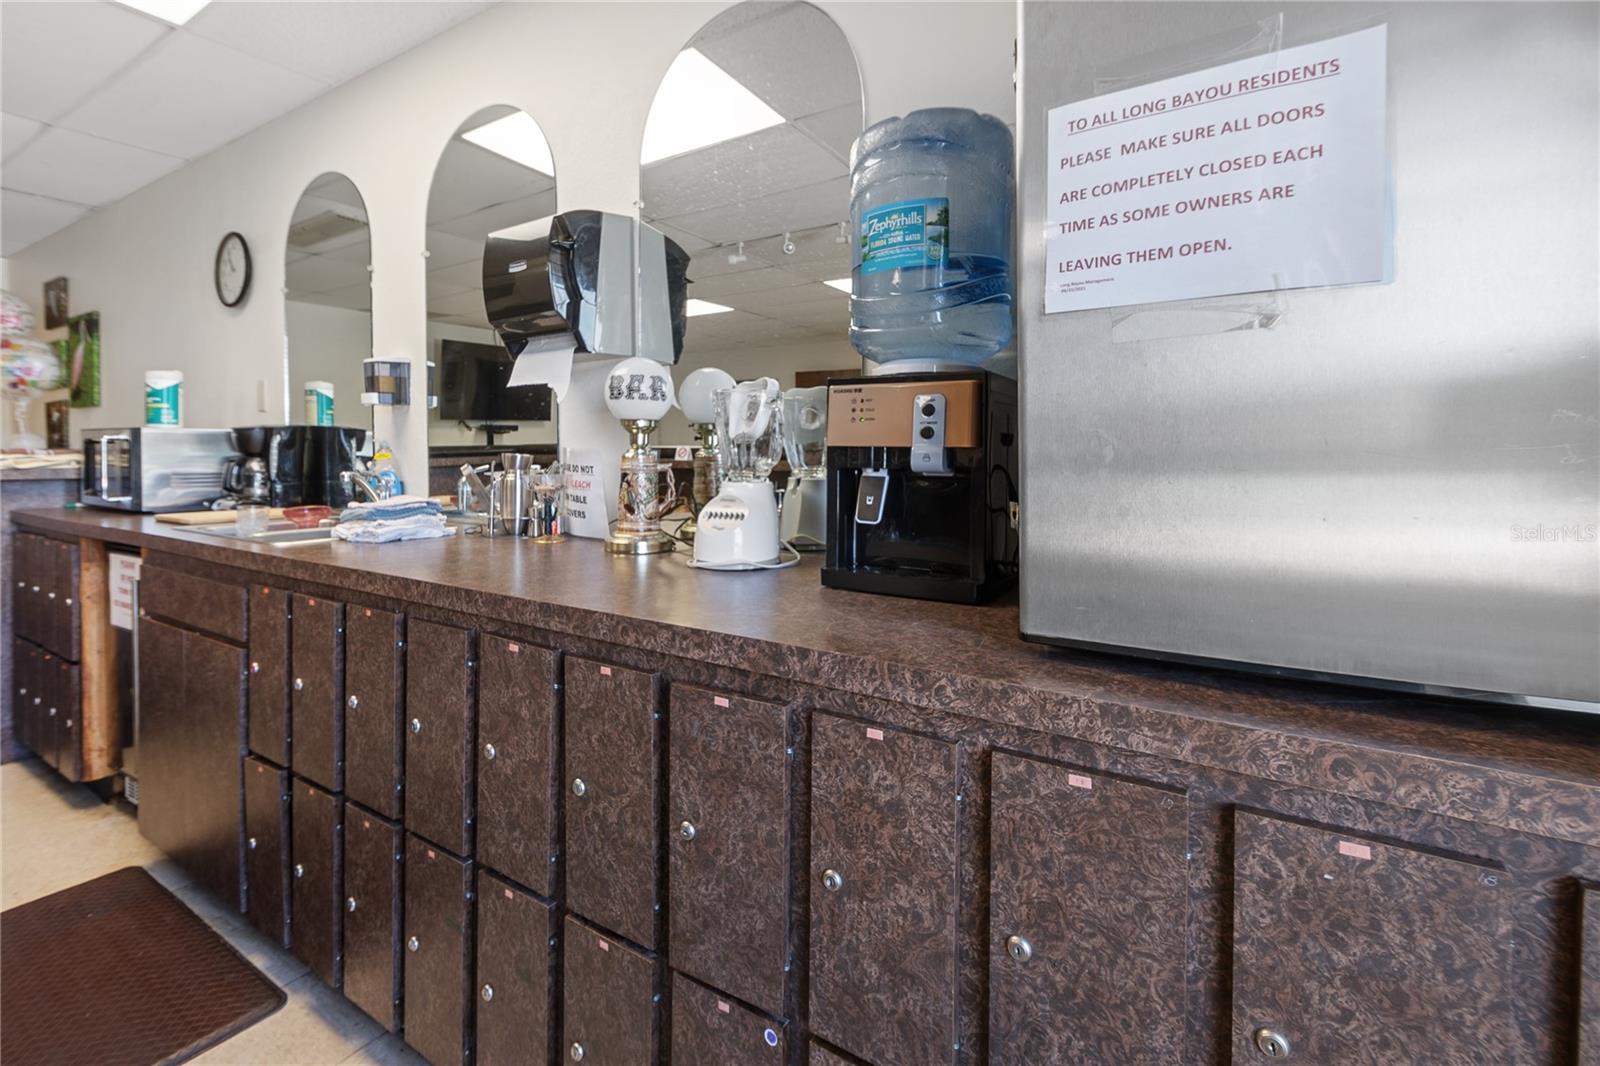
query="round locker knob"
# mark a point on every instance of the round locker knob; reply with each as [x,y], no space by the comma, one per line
[579,789]
[251,843]
[255,667]
[299,870]
[299,684]
[686,830]
[832,880]
[350,904]
[69,601]
[52,595]
[488,751]
[576,1052]
[52,712]
[35,588]
[1272,1044]
[413,944]
[68,723]
[353,702]
[416,725]
[486,992]
[1019,948]
[38,700]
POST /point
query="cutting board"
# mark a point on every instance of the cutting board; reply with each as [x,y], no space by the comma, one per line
[208,518]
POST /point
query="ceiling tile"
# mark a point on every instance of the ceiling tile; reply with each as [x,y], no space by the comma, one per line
[723,285]
[686,240]
[447,250]
[773,300]
[732,172]
[16,131]
[822,204]
[468,179]
[188,95]
[68,165]
[321,273]
[480,224]
[25,219]
[52,55]
[712,262]
[461,303]
[796,59]
[454,279]
[355,297]
[837,127]
[329,41]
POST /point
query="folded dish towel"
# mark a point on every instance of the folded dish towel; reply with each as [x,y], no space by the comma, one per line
[397,518]
[394,507]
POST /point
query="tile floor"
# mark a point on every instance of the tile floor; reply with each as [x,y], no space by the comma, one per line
[54,835]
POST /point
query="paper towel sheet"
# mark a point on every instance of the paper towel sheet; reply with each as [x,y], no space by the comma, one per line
[545,361]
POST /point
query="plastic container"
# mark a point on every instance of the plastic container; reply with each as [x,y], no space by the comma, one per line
[931,199]
[163,398]
[319,403]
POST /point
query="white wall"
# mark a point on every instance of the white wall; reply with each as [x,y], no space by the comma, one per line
[585,71]
[328,344]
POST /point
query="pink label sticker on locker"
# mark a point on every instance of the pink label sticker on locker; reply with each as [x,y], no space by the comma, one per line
[1080,781]
[720,701]
[1352,850]
[311,603]
[431,854]
[874,734]
[513,648]
[722,1005]
[507,891]
[605,671]
[366,824]
[604,946]
[367,613]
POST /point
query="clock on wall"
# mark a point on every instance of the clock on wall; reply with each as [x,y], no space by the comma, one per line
[232,270]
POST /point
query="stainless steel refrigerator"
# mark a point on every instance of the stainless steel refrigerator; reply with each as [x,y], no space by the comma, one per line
[1391,482]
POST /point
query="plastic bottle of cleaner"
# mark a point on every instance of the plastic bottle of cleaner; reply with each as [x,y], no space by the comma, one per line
[385,470]
[930,203]
[163,398]
[319,403]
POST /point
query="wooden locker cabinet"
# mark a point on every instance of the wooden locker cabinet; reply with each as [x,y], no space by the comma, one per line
[266,855]
[438,955]
[269,674]
[373,850]
[826,1056]
[46,728]
[518,770]
[1589,1008]
[441,730]
[35,572]
[1088,926]
[712,1029]
[516,1018]
[316,907]
[884,897]
[316,657]
[1357,951]
[63,601]
[69,727]
[613,780]
[23,686]
[191,744]
[729,844]
[374,686]
[610,999]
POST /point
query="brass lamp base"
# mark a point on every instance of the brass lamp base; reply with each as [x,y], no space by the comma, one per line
[620,543]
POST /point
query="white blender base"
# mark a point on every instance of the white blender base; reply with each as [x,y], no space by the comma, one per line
[738,529]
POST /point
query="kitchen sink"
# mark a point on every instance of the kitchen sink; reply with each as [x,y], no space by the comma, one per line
[279,537]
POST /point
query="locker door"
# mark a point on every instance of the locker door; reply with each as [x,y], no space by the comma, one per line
[1355,951]
[1589,1011]
[373,848]
[438,956]
[266,855]
[69,729]
[1088,917]
[23,687]
[516,1019]
[884,901]
[49,727]
[317,697]
[441,731]
[712,1029]
[613,758]
[316,910]
[518,774]
[609,1011]
[63,600]
[729,844]
[374,680]
[269,674]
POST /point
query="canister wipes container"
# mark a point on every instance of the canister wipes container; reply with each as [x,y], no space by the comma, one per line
[319,403]
[163,398]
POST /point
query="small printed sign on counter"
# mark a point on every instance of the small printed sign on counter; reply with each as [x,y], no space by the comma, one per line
[123,574]
[585,505]
[1262,174]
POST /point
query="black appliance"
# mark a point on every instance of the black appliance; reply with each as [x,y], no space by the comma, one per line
[303,463]
[922,485]
[472,386]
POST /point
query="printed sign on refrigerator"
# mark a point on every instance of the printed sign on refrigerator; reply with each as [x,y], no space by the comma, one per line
[1266,173]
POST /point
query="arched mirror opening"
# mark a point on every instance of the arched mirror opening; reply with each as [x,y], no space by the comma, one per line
[745,163]
[328,305]
[496,173]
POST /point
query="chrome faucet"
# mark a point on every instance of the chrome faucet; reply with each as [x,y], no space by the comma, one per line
[357,484]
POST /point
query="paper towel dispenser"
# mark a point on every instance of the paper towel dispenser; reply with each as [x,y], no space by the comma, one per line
[570,279]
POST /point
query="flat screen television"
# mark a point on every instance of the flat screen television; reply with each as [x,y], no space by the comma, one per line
[472,386]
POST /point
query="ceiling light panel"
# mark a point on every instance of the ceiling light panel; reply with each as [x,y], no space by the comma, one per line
[172,12]
[517,137]
[699,104]
[842,284]
[695,308]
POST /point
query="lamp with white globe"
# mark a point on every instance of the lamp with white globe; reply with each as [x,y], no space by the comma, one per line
[639,393]
[694,396]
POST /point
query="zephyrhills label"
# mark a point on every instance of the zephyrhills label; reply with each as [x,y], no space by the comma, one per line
[1266,173]
[908,235]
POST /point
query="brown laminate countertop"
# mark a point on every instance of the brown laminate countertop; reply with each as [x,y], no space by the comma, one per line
[1523,769]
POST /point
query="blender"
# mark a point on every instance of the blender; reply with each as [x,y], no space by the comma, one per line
[738,529]
[694,397]
[805,441]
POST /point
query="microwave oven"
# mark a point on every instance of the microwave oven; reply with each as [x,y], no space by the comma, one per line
[154,468]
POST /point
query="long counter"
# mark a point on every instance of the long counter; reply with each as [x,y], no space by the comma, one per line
[959,825]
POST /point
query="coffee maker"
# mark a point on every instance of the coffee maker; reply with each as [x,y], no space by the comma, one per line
[286,466]
[922,485]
